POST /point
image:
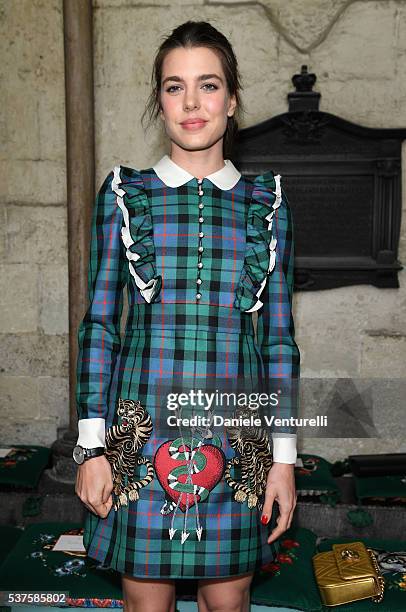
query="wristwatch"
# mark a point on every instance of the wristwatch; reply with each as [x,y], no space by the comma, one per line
[80,454]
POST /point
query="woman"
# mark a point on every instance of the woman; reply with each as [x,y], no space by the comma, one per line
[200,248]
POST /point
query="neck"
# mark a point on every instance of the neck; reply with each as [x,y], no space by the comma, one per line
[199,163]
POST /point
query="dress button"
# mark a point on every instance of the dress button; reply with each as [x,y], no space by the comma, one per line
[200,265]
[198,296]
[201,219]
[200,192]
[201,234]
[201,205]
[201,249]
[199,281]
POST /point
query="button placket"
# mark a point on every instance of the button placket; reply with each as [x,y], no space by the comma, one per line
[200,247]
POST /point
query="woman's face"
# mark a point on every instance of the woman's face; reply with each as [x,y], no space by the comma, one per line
[193,86]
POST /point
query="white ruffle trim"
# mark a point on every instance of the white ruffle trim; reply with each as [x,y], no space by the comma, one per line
[146,289]
[272,244]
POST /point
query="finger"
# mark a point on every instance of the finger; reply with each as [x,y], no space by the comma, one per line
[85,501]
[107,496]
[109,503]
[281,526]
[268,506]
[94,504]
[277,532]
[292,513]
[89,506]
[102,510]
[106,493]
[105,506]
[80,494]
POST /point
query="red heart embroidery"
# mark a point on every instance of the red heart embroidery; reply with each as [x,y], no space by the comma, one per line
[208,477]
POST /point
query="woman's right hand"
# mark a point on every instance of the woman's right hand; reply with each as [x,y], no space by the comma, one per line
[94,485]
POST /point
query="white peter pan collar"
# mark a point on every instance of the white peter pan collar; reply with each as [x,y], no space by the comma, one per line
[173,175]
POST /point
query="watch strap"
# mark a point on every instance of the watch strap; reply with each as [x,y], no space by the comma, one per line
[93,452]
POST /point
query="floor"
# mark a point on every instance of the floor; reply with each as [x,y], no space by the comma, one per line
[182,606]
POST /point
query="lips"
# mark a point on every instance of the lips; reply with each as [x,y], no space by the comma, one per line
[193,121]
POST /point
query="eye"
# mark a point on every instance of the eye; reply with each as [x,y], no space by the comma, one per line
[210,85]
[174,87]
[171,87]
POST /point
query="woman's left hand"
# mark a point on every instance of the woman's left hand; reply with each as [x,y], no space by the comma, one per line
[280,487]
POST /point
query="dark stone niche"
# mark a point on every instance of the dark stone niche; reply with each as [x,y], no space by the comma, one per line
[343,184]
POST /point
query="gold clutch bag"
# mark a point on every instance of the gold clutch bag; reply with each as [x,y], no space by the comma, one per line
[347,573]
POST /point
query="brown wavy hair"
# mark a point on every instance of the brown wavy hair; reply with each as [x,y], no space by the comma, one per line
[199,34]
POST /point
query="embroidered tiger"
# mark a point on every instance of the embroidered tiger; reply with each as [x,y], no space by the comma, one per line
[255,459]
[123,442]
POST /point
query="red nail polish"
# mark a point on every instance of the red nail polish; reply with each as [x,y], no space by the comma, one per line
[264,519]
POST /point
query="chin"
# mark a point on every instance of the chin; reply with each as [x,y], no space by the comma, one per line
[194,144]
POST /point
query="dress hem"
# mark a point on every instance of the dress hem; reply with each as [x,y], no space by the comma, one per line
[178,577]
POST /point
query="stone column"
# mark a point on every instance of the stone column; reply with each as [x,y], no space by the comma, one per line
[80,165]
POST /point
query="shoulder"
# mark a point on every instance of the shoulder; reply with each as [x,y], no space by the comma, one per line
[267,191]
[121,179]
[119,185]
[266,179]
[268,184]
[126,175]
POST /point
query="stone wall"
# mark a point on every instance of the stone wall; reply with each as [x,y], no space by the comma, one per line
[34,279]
[356,48]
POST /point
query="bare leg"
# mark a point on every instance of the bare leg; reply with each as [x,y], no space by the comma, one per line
[144,595]
[225,594]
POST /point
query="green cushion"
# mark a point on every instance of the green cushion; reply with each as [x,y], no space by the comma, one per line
[24,467]
[290,580]
[31,566]
[9,536]
[380,486]
[315,477]
[395,580]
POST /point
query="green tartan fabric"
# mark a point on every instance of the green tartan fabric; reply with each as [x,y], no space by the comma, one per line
[199,492]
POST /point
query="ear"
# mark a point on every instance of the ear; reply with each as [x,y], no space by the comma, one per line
[232,105]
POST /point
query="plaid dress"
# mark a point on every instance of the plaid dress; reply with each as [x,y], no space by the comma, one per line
[197,261]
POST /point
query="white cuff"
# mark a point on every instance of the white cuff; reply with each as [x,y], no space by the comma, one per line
[92,432]
[284,447]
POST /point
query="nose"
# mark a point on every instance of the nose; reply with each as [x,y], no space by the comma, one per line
[191,100]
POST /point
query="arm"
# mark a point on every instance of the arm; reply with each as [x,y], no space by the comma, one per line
[99,332]
[275,333]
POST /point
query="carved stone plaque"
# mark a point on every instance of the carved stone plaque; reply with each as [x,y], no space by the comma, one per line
[343,184]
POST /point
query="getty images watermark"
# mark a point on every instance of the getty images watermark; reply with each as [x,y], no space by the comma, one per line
[185,401]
